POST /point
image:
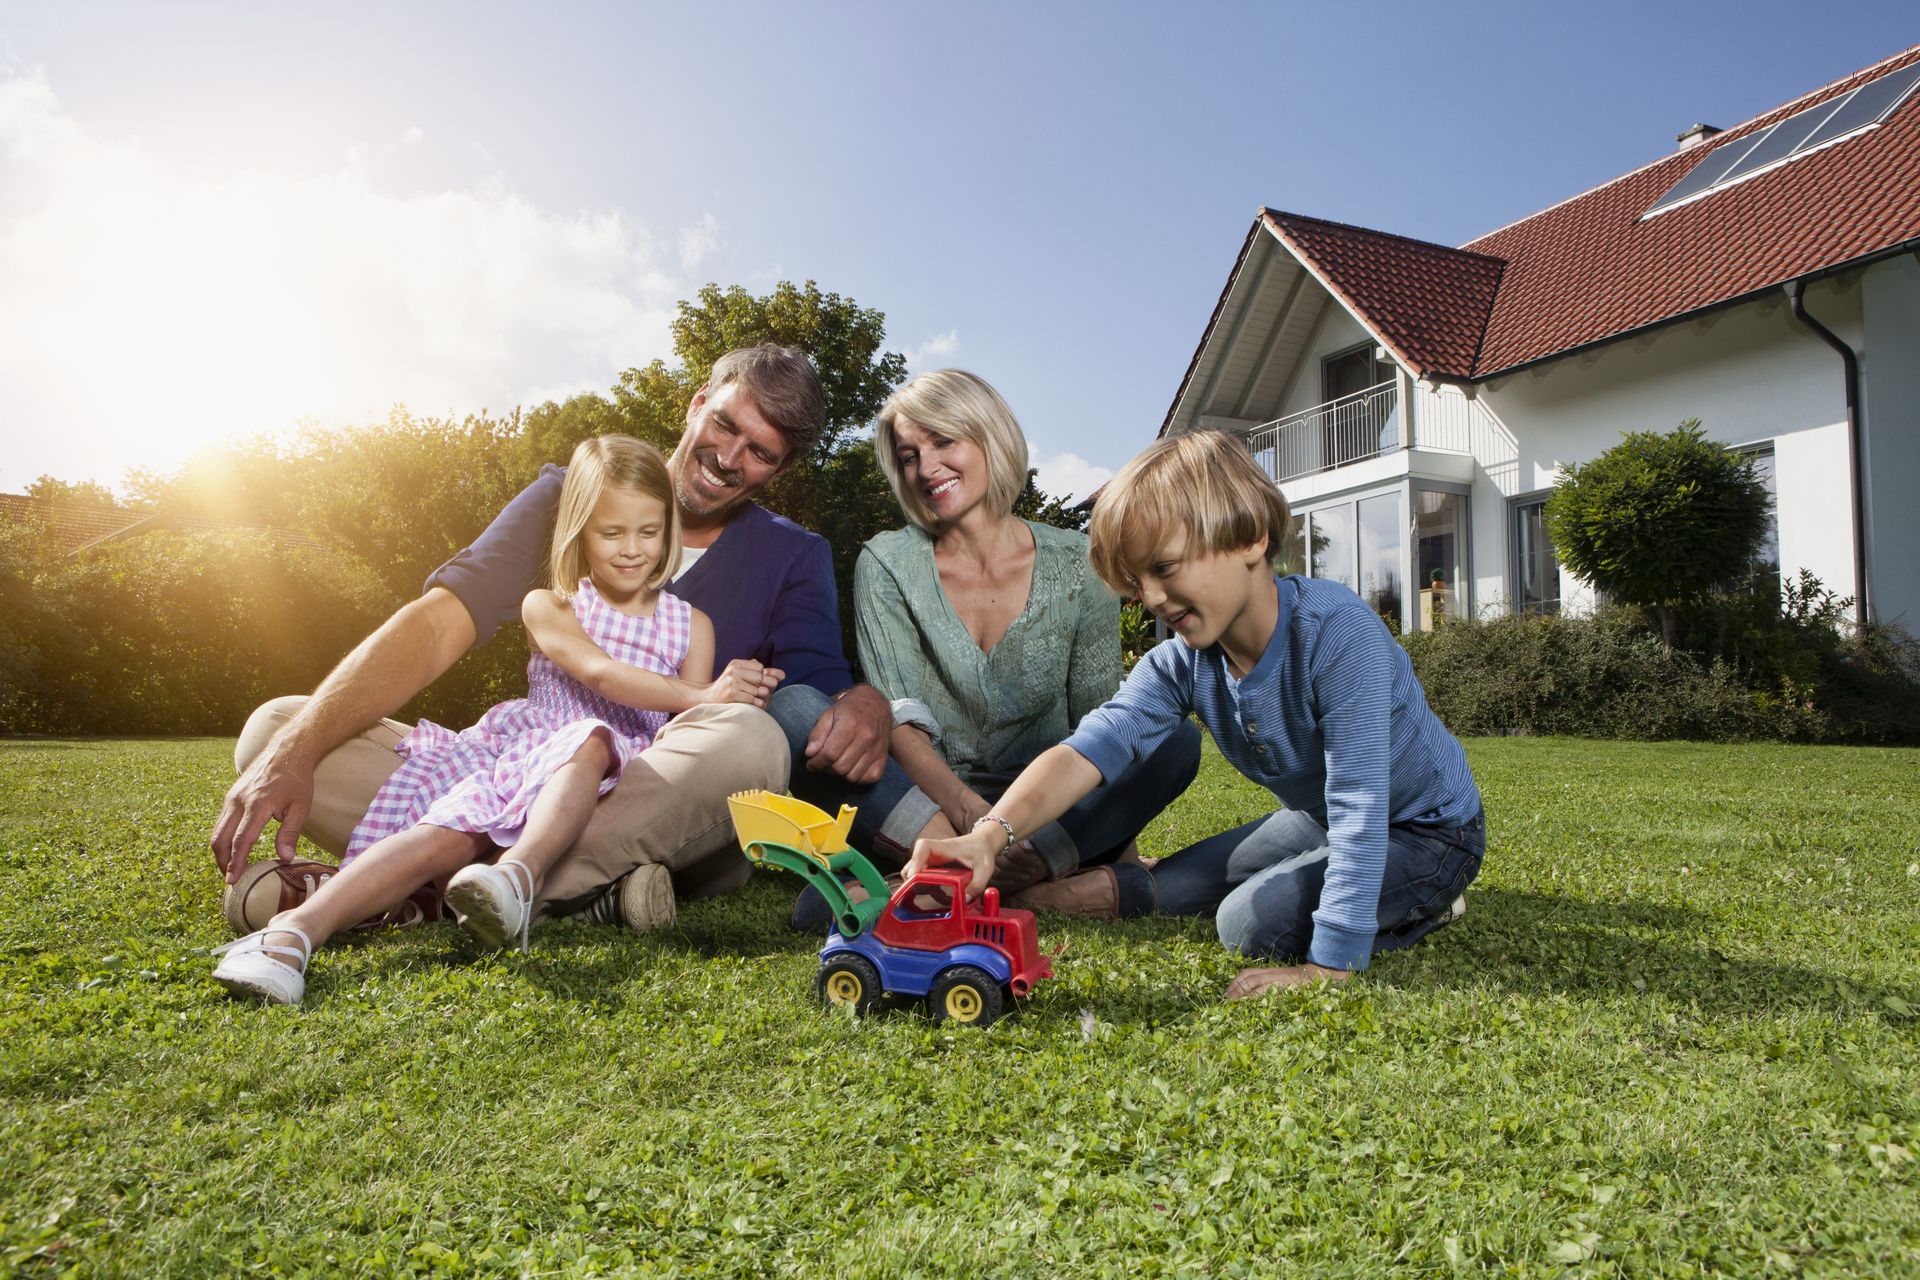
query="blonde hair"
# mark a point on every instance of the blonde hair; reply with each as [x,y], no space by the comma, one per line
[600,463]
[1204,482]
[962,406]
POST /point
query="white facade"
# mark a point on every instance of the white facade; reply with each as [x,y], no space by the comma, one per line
[1457,468]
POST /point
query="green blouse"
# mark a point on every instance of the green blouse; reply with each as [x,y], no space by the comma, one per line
[997,710]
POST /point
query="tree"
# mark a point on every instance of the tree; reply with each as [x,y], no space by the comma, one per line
[1659,520]
[80,493]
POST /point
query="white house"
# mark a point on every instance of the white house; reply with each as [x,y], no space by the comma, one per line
[1415,401]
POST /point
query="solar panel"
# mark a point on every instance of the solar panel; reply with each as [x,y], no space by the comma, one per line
[1797,134]
[1870,104]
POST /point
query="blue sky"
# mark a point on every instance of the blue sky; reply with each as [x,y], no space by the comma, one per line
[221,219]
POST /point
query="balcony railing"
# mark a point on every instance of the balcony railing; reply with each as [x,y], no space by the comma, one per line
[1353,428]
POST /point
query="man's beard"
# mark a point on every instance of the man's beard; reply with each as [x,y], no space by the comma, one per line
[691,501]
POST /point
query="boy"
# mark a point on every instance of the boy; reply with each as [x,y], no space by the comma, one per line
[1304,691]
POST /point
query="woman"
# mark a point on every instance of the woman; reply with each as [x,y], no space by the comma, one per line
[997,637]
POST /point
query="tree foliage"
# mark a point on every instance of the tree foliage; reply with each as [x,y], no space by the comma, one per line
[1659,520]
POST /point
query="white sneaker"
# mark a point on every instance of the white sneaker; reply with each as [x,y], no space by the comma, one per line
[248,967]
[492,904]
[1453,912]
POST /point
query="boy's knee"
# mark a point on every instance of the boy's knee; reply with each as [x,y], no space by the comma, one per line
[1286,835]
[266,720]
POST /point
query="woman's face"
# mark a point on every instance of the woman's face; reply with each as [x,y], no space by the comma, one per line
[949,475]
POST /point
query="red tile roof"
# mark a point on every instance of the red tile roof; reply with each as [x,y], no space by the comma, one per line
[1428,303]
[1591,268]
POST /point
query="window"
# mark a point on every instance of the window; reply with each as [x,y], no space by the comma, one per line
[1536,572]
[1358,543]
[1332,543]
[1766,562]
[1354,426]
[1380,555]
[1440,559]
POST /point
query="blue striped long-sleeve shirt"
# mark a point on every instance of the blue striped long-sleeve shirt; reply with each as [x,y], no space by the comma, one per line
[1330,719]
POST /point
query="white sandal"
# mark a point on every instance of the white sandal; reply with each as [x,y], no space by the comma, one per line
[493,905]
[248,966]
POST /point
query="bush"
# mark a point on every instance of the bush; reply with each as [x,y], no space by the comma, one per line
[174,633]
[1770,673]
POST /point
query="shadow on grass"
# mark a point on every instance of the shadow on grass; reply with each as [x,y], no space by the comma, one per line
[1536,942]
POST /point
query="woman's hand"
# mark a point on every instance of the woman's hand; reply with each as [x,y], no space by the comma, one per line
[976,851]
[746,681]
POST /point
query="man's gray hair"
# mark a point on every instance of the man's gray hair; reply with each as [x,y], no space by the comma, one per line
[784,385]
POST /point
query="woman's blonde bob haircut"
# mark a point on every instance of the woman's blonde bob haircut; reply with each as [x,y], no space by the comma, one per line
[601,463]
[960,406]
[1205,483]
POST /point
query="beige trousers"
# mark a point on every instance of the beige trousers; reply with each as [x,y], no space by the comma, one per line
[670,806]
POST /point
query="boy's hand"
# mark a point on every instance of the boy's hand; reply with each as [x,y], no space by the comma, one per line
[1254,982]
[975,851]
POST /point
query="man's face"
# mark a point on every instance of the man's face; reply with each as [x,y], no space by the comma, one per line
[729,452]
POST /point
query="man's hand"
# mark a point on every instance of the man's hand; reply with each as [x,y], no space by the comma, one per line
[850,737]
[270,788]
[976,851]
[1254,982]
[964,807]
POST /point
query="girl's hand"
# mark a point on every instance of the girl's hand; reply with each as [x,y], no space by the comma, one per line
[976,851]
[744,680]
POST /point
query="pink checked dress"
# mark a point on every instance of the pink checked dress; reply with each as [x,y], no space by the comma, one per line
[485,778]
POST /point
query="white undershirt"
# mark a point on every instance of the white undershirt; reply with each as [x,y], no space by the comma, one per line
[689,557]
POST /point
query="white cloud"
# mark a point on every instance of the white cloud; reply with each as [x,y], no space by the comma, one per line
[697,242]
[933,352]
[414,134]
[1066,475]
[147,312]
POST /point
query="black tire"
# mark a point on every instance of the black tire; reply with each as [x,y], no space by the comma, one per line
[968,995]
[849,979]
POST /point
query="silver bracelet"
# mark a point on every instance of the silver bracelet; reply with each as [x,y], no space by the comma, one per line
[1004,826]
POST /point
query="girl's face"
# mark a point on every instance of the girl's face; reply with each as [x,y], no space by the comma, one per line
[624,541]
[949,475]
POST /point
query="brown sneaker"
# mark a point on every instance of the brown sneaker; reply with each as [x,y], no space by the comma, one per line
[1019,869]
[267,888]
[1097,893]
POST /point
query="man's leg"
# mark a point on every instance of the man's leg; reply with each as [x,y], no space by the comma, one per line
[893,812]
[348,777]
[670,807]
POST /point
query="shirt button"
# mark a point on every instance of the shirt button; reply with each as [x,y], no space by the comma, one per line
[1253,726]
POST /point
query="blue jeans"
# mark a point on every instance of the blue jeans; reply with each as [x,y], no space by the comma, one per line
[1262,881]
[893,810]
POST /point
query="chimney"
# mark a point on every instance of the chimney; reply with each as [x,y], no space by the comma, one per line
[1694,135]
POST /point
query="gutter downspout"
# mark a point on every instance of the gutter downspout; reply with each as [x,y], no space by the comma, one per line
[1795,290]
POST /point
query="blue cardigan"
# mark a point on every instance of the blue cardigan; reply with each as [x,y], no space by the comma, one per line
[766,583]
[1330,719]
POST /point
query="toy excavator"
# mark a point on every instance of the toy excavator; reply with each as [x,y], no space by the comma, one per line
[925,941]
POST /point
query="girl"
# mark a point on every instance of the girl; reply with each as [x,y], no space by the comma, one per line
[613,657]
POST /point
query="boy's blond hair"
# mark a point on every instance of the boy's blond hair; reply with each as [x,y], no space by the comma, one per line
[960,406]
[1204,482]
[610,462]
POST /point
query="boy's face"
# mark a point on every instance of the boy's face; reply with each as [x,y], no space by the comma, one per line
[1199,596]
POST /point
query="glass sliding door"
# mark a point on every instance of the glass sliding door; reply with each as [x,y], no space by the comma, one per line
[1379,551]
[1440,556]
[1332,543]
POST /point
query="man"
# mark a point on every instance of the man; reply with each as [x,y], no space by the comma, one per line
[315,764]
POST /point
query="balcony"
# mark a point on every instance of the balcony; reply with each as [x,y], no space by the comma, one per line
[1351,429]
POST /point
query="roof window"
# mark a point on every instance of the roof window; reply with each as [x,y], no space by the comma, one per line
[1801,133]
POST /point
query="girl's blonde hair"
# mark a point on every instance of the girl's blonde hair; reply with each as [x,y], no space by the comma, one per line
[1204,482]
[961,406]
[598,464]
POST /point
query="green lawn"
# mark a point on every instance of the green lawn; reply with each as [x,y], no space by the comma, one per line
[1675,1034]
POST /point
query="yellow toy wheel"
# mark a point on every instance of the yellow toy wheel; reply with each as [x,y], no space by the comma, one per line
[849,979]
[968,995]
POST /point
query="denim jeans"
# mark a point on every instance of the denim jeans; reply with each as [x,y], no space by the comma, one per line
[893,810]
[1262,881]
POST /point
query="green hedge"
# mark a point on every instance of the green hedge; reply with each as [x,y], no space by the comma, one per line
[1769,676]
